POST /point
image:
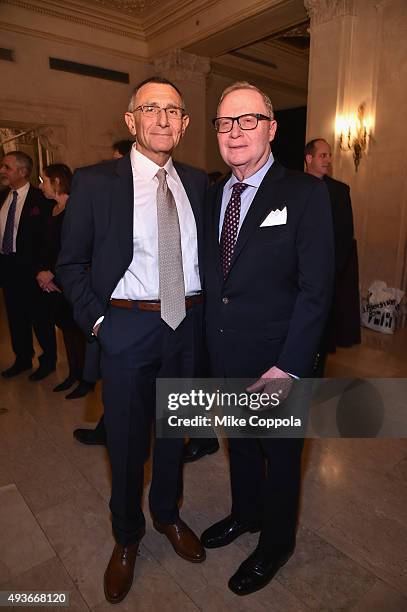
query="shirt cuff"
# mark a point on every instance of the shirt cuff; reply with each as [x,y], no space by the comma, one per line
[97,322]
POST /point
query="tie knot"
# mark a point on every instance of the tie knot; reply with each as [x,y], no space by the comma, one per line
[161,175]
[238,188]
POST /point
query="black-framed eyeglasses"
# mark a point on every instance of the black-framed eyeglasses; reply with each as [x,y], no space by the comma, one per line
[151,110]
[245,122]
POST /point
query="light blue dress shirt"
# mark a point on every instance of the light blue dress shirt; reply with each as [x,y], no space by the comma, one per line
[247,196]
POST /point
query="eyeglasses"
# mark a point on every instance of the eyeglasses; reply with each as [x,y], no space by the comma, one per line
[245,122]
[174,113]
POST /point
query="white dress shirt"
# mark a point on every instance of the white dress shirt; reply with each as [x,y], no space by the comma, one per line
[141,279]
[21,196]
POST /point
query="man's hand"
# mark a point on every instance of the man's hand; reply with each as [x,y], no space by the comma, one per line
[273,381]
[44,277]
[52,287]
[46,282]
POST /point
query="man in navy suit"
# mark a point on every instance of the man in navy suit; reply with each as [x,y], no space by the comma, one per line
[268,281]
[129,264]
[23,212]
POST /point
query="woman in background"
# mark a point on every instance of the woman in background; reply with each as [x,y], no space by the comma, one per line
[56,183]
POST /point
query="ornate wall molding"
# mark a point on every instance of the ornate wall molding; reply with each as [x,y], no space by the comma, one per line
[183,65]
[321,11]
[101,24]
[70,41]
[131,7]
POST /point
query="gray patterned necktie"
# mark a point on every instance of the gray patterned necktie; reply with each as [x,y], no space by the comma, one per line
[171,273]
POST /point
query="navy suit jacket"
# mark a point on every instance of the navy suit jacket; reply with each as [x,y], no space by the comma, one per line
[97,235]
[33,217]
[272,307]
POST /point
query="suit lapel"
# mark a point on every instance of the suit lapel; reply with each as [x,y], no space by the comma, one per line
[216,208]
[264,201]
[123,204]
[193,196]
[25,214]
[195,199]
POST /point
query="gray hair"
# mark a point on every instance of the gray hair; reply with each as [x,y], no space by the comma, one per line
[23,161]
[154,79]
[246,85]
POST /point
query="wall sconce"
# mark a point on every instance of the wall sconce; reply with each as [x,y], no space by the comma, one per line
[354,133]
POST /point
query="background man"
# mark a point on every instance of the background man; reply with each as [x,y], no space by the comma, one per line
[137,221]
[120,148]
[23,210]
[343,325]
[268,278]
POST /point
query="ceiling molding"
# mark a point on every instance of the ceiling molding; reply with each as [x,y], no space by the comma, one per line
[204,9]
[228,66]
[275,17]
[91,18]
[11,27]
[129,7]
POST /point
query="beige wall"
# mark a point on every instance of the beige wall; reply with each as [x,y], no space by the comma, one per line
[215,85]
[359,55]
[85,114]
[82,115]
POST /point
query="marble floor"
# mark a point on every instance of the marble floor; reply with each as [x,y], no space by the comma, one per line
[55,528]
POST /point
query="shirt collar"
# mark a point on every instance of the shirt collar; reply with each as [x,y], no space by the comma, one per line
[144,169]
[22,191]
[256,178]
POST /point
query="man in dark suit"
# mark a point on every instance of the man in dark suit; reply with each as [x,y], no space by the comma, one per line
[268,278]
[23,211]
[129,264]
[343,325]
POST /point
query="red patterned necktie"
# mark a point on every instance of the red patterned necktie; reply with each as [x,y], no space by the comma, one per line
[230,226]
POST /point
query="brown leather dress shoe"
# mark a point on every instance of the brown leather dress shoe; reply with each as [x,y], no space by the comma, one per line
[185,543]
[119,573]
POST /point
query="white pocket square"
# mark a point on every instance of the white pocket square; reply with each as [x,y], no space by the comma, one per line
[275,217]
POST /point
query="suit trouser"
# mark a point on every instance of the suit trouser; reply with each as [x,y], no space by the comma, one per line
[128,377]
[74,338]
[265,481]
[27,308]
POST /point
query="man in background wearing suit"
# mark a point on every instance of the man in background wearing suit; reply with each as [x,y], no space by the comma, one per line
[343,325]
[129,264]
[268,279]
[23,210]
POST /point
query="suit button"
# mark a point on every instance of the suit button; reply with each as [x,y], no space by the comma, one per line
[221,331]
[225,300]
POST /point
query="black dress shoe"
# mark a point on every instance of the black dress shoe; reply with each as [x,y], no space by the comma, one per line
[199,447]
[90,436]
[16,369]
[185,543]
[225,531]
[256,572]
[42,372]
[65,384]
[81,390]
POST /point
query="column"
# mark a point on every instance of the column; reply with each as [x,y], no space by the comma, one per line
[188,72]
